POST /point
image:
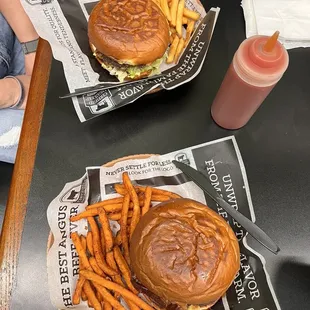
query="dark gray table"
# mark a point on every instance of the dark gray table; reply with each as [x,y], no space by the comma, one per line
[275,147]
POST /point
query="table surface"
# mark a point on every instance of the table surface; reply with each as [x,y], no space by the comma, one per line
[275,147]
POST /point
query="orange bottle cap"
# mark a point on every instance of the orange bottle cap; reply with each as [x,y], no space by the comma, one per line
[271,43]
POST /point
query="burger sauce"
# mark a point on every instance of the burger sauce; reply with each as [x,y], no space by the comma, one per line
[257,66]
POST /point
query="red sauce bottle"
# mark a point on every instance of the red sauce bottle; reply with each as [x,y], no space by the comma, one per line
[257,66]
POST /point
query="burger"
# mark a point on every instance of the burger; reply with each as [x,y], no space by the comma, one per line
[183,255]
[128,38]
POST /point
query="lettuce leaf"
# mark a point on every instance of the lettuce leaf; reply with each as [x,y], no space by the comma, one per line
[135,71]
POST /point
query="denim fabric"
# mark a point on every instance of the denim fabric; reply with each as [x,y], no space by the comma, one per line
[11,63]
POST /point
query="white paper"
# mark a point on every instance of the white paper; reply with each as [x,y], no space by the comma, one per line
[290,17]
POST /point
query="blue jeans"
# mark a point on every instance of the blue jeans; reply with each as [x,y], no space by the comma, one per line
[11,63]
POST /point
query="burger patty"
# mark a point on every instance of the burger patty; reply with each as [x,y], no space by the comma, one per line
[113,63]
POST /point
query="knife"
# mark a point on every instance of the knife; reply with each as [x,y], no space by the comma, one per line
[200,180]
[101,87]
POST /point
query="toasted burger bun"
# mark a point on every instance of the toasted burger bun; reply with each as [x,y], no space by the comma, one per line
[130,32]
[185,253]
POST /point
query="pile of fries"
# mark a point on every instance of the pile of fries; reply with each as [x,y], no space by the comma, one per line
[105,274]
[178,15]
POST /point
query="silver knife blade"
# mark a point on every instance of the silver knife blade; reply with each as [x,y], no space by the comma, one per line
[256,232]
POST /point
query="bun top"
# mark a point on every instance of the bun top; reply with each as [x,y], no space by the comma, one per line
[134,32]
[185,253]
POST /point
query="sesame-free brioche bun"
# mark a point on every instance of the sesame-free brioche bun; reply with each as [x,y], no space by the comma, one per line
[184,253]
[133,32]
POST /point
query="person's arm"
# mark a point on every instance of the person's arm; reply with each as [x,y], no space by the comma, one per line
[17,18]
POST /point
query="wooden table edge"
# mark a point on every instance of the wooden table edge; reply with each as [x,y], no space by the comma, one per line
[15,212]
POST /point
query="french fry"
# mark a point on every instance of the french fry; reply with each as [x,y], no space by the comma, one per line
[91,212]
[118,239]
[89,242]
[184,20]
[124,268]
[173,12]
[179,18]
[91,296]
[104,203]
[191,14]
[107,233]
[106,294]
[147,200]
[165,8]
[134,197]
[157,191]
[102,241]
[81,252]
[176,59]
[89,275]
[95,266]
[189,31]
[172,50]
[120,189]
[98,249]
[172,37]
[123,227]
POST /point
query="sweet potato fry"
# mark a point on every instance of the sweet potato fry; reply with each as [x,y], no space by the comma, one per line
[158,191]
[191,14]
[124,268]
[95,266]
[89,242]
[134,197]
[98,249]
[104,203]
[91,296]
[161,198]
[117,216]
[81,252]
[78,290]
[84,243]
[89,275]
[123,229]
[83,295]
[147,200]
[120,189]
[91,212]
[118,239]
[102,241]
[107,233]
[117,279]
[105,293]
[107,306]
[179,18]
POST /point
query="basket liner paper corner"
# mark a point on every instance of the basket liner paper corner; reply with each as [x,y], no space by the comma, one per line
[219,160]
[63,24]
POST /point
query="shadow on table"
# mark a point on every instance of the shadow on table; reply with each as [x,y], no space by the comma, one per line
[292,285]
[6,171]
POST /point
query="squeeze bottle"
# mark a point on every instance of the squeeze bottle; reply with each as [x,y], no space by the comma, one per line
[257,66]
